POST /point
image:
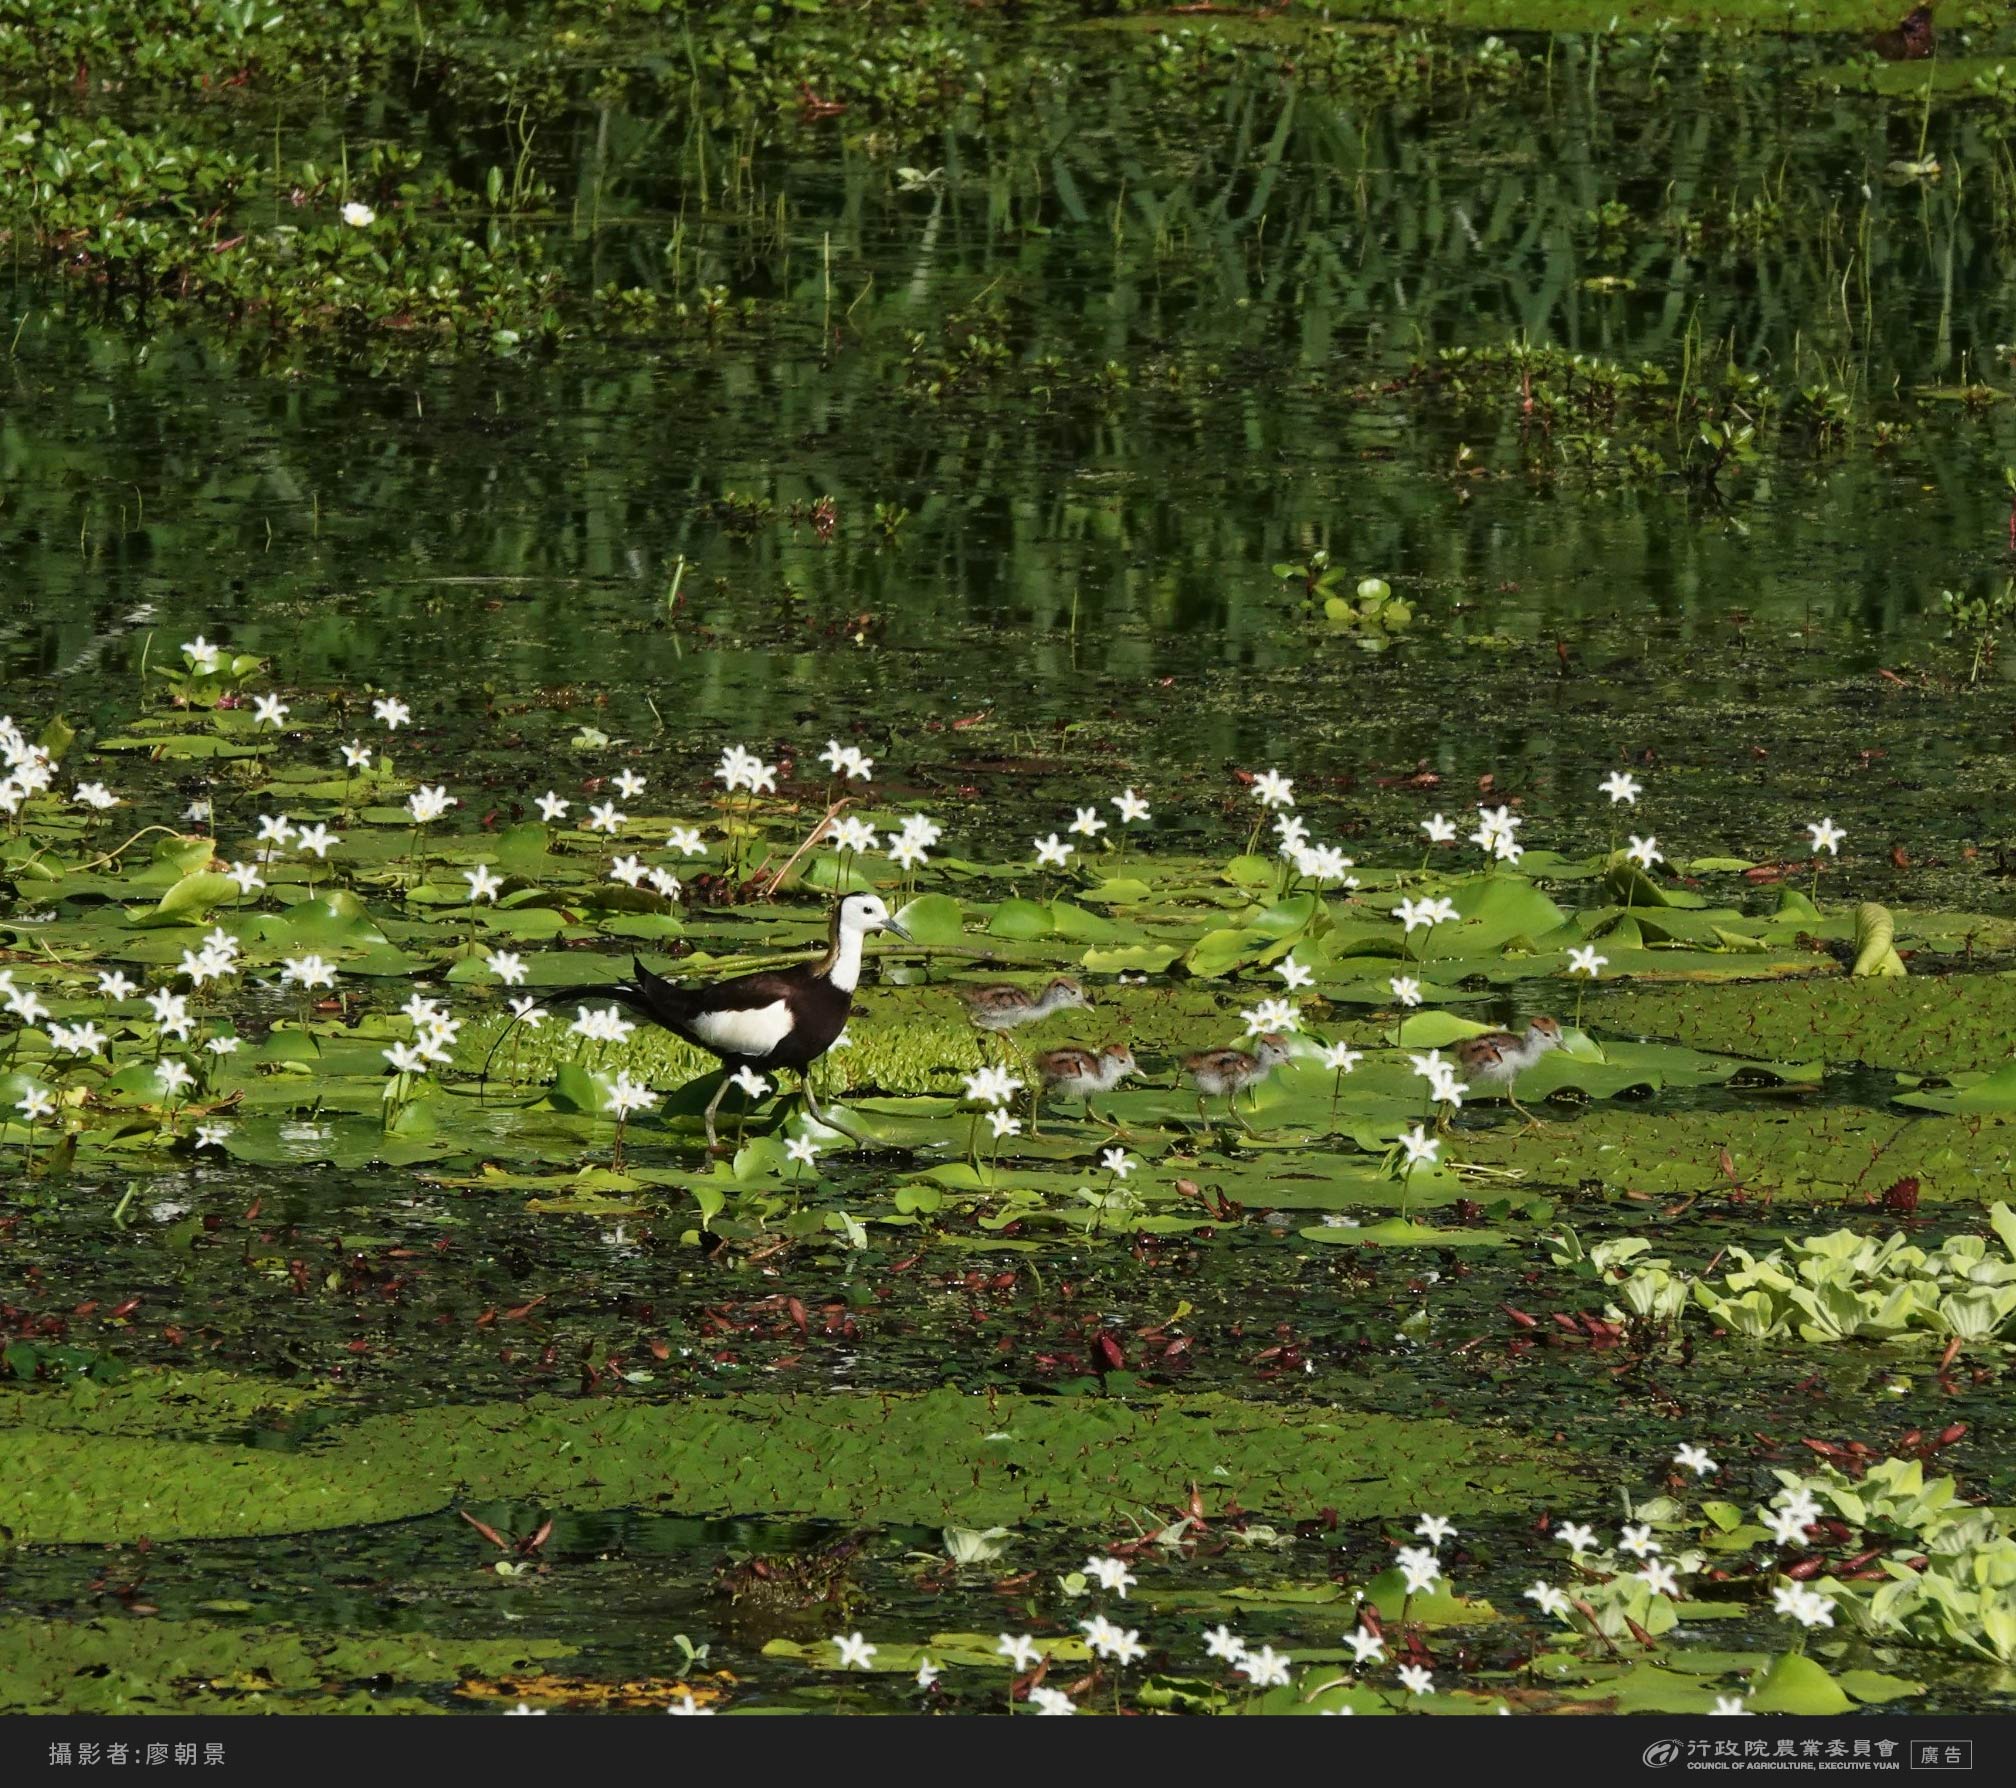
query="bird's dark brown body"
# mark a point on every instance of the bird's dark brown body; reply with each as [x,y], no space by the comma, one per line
[776,1018]
[1911,39]
[818,1009]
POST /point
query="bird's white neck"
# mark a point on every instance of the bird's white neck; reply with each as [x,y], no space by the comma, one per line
[845,973]
[1528,1050]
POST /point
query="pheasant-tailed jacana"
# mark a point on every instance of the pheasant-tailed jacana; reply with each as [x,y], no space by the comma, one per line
[1080,1074]
[1911,38]
[1230,1072]
[1005,1008]
[1498,1058]
[777,1018]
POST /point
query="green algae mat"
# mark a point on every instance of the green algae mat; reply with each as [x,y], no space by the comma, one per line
[933,1459]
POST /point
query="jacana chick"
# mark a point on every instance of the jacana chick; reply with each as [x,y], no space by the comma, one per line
[1006,1008]
[1082,1074]
[1498,1058]
[1227,1073]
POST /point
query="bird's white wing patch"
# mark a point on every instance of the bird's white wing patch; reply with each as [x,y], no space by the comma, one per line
[751,1030]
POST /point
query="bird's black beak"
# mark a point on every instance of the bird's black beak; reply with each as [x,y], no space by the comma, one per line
[891,925]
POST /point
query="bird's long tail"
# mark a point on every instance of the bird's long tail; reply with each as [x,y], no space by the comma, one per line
[650,996]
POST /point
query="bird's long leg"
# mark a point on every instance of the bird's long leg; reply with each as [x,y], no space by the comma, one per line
[818,1116]
[1532,1122]
[1233,1112]
[714,1105]
[1036,1108]
[1253,1101]
[1118,1130]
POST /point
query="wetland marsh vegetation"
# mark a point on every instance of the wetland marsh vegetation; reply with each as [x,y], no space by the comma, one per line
[1368,528]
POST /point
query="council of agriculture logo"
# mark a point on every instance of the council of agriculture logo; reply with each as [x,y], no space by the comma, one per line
[1661,1753]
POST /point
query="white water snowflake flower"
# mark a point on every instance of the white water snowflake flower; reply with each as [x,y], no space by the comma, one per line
[1420,1146]
[1020,1650]
[1272,789]
[426,804]
[628,1095]
[307,972]
[1265,1668]
[1272,1015]
[1548,1599]
[853,834]
[992,1085]
[1435,1529]
[1661,1576]
[1294,975]
[1111,1574]
[35,1105]
[1222,1642]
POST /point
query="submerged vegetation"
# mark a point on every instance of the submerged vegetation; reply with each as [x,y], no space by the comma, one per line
[1395,564]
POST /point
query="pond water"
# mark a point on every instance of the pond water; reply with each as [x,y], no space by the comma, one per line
[1016,430]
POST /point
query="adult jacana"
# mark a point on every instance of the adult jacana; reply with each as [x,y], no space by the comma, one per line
[776,1018]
